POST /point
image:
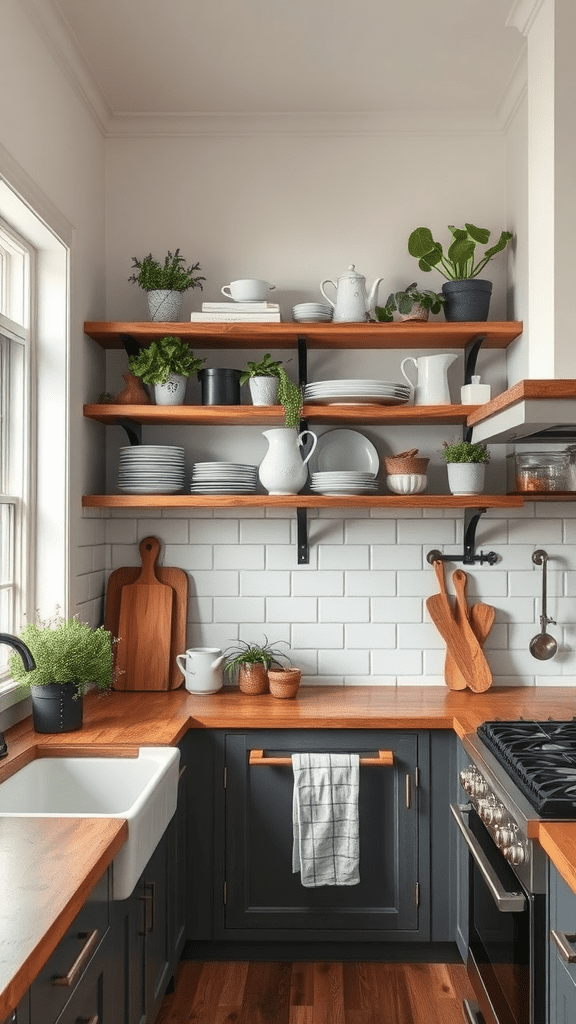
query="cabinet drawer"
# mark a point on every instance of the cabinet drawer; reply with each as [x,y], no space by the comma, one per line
[54,985]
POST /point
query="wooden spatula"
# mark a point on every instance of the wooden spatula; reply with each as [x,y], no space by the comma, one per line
[454,678]
[481,618]
[440,611]
[144,627]
[482,678]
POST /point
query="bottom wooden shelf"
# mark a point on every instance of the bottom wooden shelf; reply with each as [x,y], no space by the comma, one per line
[303,501]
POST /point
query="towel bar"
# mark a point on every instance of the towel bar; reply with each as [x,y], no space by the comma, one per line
[385,759]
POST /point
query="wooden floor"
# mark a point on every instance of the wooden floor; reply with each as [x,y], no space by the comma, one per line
[316,993]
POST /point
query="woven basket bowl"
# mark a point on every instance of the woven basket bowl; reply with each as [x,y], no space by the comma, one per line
[409,464]
[284,684]
[253,679]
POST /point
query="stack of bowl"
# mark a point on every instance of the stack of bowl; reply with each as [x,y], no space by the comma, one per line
[312,312]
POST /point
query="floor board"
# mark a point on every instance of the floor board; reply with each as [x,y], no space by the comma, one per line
[328,992]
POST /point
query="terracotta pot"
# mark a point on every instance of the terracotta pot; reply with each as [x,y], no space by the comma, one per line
[284,683]
[253,679]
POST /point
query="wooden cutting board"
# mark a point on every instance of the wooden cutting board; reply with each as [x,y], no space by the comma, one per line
[460,641]
[177,579]
[480,617]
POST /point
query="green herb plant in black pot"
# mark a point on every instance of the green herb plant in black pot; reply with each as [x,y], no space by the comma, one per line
[467,297]
[70,658]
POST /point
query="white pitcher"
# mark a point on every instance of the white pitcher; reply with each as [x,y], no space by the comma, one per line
[431,386]
[202,669]
[283,470]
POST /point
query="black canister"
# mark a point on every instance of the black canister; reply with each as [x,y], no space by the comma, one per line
[220,386]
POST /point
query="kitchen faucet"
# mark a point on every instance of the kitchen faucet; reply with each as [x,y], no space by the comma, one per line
[27,661]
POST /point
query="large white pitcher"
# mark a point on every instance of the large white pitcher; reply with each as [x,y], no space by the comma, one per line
[202,669]
[283,470]
[431,386]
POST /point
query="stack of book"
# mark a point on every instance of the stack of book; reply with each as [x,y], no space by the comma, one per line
[238,312]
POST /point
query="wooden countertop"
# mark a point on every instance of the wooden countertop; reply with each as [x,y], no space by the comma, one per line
[118,723]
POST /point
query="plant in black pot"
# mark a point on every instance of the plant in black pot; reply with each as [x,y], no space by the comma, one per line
[70,658]
[165,283]
[467,297]
[166,364]
[410,304]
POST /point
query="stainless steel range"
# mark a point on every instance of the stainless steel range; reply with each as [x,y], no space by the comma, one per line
[519,773]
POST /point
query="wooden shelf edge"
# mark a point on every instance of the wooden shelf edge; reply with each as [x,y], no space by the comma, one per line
[229,415]
[300,501]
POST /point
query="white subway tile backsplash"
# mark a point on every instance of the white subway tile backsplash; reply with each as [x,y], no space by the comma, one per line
[291,609]
[549,531]
[389,662]
[267,584]
[396,609]
[371,531]
[419,634]
[344,609]
[370,583]
[200,609]
[353,556]
[344,662]
[371,635]
[395,556]
[214,531]
[239,609]
[122,531]
[327,635]
[318,584]
[413,531]
[192,557]
[215,584]
[168,531]
[270,531]
[241,556]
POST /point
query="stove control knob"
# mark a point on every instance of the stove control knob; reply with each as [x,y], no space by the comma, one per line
[468,777]
[492,814]
[515,853]
[504,837]
[484,808]
[480,788]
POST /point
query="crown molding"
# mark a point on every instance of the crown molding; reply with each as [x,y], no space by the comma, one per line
[523,14]
[513,94]
[63,45]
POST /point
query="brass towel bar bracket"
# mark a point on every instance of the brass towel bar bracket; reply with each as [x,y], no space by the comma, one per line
[384,760]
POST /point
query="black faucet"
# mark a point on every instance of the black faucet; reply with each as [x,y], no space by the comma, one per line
[27,661]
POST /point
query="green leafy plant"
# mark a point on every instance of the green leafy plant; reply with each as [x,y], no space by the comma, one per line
[267,367]
[154,364]
[403,302]
[464,451]
[243,653]
[172,275]
[458,263]
[289,395]
[66,651]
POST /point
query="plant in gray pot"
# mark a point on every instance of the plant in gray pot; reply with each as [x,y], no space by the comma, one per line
[466,464]
[165,283]
[467,297]
[70,658]
[166,364]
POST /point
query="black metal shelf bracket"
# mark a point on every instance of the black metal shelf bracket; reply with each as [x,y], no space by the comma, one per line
[133,429]
[470,357]
[468,556]
[302,524]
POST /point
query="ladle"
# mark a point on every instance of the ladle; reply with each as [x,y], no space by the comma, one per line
[543,646]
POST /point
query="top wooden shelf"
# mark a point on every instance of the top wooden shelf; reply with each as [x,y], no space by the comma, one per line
[401,335]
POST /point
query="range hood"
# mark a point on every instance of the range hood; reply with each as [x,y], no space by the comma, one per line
[534,411]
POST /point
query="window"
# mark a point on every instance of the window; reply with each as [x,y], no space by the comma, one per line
[17,275]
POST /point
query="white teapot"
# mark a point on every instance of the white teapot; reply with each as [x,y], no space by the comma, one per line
[353,302]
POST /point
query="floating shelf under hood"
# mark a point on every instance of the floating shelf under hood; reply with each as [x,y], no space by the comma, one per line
[538,411]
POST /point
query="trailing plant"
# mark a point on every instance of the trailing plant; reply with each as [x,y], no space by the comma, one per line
[404,301]
[465,451]
[267,367]
[289,395]
[172,275]
[458,263]
[66,651]
[244,653]
[154,364]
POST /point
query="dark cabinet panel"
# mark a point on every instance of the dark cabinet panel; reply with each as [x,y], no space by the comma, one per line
[562,973]
[265,899]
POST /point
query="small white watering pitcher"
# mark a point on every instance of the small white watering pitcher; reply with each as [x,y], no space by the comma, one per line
[202,669]
[431,386]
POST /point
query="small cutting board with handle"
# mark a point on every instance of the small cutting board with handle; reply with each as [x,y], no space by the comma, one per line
[144,627]
[480,617]
[175,578]
[460,640]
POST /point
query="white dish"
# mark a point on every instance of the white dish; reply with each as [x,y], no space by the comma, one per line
[152,489]
[344,450]
[406,483]
[224,465]
[360,400]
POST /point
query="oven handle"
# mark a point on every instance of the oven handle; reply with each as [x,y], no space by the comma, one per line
[507,902]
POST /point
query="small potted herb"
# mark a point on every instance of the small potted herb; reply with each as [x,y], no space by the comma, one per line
[166,364]
[410,304]
[70,658]
[467,297]
[262,379]
[466,464]
[165,283]
[249,663]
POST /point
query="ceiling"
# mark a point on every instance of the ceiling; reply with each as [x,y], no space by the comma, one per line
[307,56]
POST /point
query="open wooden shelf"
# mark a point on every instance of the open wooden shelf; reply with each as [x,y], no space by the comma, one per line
[270,415]
[301,501]
[401,335]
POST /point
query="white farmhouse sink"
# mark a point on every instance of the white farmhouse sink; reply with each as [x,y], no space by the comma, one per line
[142,789]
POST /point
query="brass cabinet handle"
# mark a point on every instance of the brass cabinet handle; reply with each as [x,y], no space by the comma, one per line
[565,941]
[148,898]
[70,979]
[385,759]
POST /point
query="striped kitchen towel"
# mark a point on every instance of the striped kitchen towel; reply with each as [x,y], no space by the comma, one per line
[326,844]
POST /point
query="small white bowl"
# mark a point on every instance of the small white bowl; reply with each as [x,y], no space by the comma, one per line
[406,483]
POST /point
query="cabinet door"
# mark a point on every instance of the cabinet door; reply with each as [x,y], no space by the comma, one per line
[179,864]
[562,973]
[265,899]
[153,888]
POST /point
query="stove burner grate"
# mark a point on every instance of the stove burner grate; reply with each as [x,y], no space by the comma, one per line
[541,759]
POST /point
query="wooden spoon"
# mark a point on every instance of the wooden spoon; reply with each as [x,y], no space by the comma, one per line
[480,616]
[440,611]
[482,679]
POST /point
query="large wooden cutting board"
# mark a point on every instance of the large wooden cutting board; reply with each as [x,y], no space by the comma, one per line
[177,579]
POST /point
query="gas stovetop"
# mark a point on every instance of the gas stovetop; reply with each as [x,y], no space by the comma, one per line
[540,757]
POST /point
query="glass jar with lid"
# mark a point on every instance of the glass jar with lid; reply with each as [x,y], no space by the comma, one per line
[543,471]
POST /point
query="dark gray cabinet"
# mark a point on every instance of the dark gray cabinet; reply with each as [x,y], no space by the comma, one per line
[562,950]
[258,896]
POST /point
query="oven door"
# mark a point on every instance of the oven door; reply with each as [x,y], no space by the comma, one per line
[505,924]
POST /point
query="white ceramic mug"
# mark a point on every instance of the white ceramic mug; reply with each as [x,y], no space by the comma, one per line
[202,669]
[249,289]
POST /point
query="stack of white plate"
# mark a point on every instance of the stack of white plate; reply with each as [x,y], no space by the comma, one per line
[151,469]
[344,482]
[312,312]
[223,478]
[357,392]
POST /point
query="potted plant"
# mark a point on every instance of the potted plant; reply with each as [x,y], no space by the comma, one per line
[284,681]
[466,463]
[165,283]
[166,364]
[466,296]
[70,658]
[262,378]
[410,304]
[250,664]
